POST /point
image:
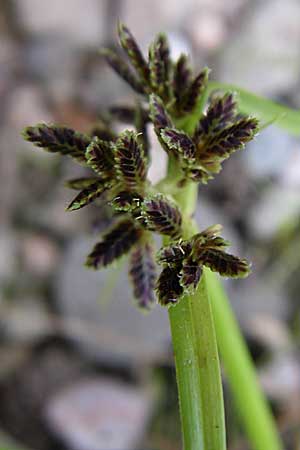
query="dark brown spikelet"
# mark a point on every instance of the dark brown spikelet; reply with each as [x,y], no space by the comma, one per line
[143,275]
[58,139]
[117,242]
[122,69]
[168,288]
[204,236]
[126,201]
[158,114]
[182,76]
[130,161]
[134,53]
[190,275]
[179,144]
[195,90]
[159,118]
[174,254]
[230,139]
[81,183]
[219,115]
[99,156]
[208,239]
[162,216]
[225,264]
[88,195]
[160,65]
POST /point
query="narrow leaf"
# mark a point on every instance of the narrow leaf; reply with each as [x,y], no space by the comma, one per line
[117,242]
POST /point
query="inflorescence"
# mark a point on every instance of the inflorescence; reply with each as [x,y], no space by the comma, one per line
[119,165]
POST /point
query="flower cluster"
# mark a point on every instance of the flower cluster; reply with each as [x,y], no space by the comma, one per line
[119,166]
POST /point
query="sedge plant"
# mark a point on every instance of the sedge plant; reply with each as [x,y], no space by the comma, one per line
[199,124]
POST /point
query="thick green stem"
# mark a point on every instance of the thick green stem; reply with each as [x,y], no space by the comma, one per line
[196,356]
[198,374]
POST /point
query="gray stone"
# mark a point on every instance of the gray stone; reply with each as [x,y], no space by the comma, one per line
[99,414]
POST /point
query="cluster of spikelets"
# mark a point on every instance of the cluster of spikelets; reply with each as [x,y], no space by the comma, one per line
[119,165]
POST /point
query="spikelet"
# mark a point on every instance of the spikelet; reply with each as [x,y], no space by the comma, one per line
[161,215]
[130,160]
[143,274]
[58,139]
[117,242]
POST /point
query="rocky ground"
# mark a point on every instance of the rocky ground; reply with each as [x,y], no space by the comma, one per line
[70,339]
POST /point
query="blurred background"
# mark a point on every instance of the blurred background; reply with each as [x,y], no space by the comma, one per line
[80,367]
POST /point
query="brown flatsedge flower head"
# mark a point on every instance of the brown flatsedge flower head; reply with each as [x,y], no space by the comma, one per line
[118,164]
[170,80]
[162,216]
[183,264]
[218,134]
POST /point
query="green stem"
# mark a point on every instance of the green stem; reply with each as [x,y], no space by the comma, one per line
[196,356]
[198,372]
[253,409]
